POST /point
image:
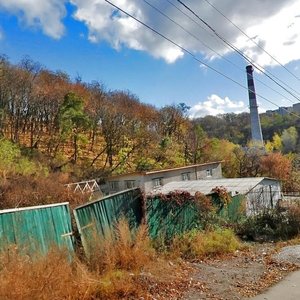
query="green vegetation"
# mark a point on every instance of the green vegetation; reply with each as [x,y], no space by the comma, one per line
[276,224]
[200,244]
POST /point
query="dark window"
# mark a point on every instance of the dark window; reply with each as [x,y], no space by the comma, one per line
[186,176]
[208,172]
[157,182]
[114,185]
[129,184]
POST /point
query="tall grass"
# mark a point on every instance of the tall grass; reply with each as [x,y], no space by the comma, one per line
[123,250]
[115,269]
[50,277]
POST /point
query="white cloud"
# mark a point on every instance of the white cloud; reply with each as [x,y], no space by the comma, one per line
[259,18]
[1,34]
[105,23]
[278,34]
[274,24]
[46,15]
[215,105]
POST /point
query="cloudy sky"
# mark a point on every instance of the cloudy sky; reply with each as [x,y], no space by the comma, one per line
[92,39]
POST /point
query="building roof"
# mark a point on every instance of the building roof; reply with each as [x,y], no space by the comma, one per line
[165,170]
[182,168]
[234,185]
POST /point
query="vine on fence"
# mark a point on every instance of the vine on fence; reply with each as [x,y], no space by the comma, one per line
[223,194]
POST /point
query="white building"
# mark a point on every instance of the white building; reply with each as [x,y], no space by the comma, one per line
[260,192]
[149,181]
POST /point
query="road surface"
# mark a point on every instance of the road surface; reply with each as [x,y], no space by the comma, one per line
[287,289]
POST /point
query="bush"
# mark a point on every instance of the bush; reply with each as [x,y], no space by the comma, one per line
[274,224]
[200,244]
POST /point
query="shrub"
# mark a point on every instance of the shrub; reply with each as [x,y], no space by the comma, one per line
[199,244]
[273,224]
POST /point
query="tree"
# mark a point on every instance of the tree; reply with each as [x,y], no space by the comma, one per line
[276,165]
[73,120]
[247,161]
[275,144]
[289,139]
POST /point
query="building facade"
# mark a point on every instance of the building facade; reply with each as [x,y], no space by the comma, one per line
[152,180]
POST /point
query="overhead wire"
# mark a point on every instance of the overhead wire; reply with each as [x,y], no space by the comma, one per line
[255,65]
[191,54]
[252,39]
[210,48]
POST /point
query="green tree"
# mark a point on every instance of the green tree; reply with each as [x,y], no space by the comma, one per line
[289,139]
[9,153]
[73,121]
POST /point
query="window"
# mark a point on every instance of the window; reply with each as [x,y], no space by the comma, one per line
[157,182]
[129,184]
[208,172]
[185,176]
[114,185]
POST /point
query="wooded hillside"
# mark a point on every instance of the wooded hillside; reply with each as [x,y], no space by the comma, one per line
[87,130]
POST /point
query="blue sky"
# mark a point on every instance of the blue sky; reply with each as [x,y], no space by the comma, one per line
[88,38]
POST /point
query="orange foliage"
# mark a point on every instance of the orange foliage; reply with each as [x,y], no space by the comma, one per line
[276,165]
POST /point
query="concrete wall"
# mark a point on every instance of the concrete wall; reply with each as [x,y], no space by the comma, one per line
[147,181]
[213,171]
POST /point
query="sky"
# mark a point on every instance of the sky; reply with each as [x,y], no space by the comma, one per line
[93,40]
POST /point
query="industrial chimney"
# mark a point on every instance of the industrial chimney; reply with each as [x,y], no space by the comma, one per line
[256,133]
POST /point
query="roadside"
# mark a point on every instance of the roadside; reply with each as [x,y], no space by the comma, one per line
[288,289]
[242,275]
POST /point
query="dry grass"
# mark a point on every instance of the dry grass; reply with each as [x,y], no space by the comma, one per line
[123,266]
[125,250]
[51,277]
[54,277]
[28,191]
[112,271]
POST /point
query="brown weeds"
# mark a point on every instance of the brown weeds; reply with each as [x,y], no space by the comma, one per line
[29,191]
[123,250]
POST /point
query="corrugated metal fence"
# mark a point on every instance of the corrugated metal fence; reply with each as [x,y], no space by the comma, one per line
[36,229]
[168,218]
[97,218]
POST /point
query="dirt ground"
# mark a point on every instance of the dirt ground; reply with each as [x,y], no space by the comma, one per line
[239,276]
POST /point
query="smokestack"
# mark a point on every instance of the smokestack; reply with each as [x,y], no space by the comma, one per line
[256,133]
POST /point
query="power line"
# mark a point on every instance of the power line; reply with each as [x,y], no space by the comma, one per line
[252,39]
[190,53]
[257,66]
[220,55]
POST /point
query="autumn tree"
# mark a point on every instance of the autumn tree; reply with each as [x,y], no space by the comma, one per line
[276,165]
[247,161]
[275,144]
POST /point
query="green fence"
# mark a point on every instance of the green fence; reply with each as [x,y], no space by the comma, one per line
[35,230]
[38,229]
[95,219]
[235,210]
[167,218]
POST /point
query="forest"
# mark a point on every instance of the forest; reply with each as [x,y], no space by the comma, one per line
[50,123]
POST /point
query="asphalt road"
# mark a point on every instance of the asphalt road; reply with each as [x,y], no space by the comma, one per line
[287,289]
